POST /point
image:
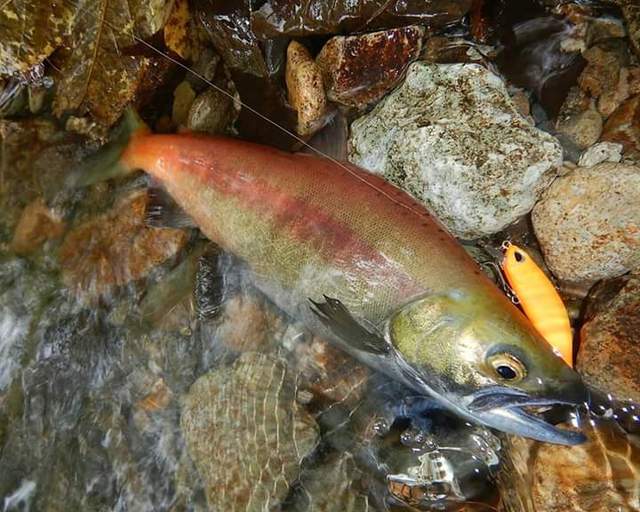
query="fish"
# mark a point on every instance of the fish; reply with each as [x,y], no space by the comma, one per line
[363,265]
[539,299]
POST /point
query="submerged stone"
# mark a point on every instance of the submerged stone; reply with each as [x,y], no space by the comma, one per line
[452,137]
[246,433]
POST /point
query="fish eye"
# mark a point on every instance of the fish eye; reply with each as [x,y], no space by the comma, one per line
[507,367]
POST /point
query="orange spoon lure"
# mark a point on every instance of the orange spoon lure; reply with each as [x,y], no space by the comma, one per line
[539,299]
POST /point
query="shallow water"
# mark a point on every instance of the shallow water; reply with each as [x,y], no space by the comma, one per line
[139,375]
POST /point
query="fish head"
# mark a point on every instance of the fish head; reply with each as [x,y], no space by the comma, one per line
[483,358]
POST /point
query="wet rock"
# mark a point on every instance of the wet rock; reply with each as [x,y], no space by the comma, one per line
[631,14]
[158,398]
[623,125]
[116,248]
[183,98]
[359,70]
[211,112]
[37,224]
[332,486]
[597,476]
[247,323]
[305,88]
[451,136]
[447,50]
[601,152]
[579,120]
[609,354]
[329,373]
[587,223]
[603,68]
[246,434]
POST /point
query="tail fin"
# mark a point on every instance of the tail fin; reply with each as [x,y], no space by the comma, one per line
[105,163]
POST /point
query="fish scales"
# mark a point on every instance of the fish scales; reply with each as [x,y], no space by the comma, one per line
[308,223]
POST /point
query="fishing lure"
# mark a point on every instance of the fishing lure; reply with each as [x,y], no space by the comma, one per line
[539,299]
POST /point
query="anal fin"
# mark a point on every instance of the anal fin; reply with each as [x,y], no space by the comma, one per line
[164,212]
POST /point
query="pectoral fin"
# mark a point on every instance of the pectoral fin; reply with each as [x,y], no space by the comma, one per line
[335,316]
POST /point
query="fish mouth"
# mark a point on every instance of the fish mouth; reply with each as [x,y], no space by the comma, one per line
[515,412]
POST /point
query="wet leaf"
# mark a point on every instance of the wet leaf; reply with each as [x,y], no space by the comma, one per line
[313,17]
[30,30]
[95,76]
[176,36]
[150,15]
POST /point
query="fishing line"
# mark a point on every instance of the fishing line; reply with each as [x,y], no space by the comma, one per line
[265,118]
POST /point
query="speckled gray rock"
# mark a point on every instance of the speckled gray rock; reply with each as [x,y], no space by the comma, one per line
[588,223]
[246,434]
[601,152]
[451,136]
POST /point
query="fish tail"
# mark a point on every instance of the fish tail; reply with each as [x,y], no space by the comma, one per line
[107,162]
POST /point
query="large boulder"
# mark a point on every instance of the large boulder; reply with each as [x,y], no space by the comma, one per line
[609,355]
[588,223]
[452,136]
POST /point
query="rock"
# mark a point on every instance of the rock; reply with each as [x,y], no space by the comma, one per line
[211,112]
[597,476]
[631,14]
[330,374]
[246,434]
[332,486]
[447,50]
[601,152]
[247,323]
[158,398]
[452,137]
[588,222]
[116,248]
[305,88]
[609,354]
[623,125]
[603,69]
[579,120]
[183,98]
[37,224]
[601,28]
[610,100]
[359,70]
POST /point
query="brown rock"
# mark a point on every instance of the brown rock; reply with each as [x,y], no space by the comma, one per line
[623,125]
[116,248]
[600,475]
[631,14]
[610,100]
[247,323]
[359,70]
[442,49]
[609,355]
[37,224]
[305,88]
[588,223]
[603,69]
[329,373]
[158,398]
[578,119]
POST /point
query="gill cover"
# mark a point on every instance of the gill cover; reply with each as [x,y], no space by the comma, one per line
[490,361]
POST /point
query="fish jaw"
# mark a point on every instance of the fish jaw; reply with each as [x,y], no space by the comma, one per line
[503,408]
